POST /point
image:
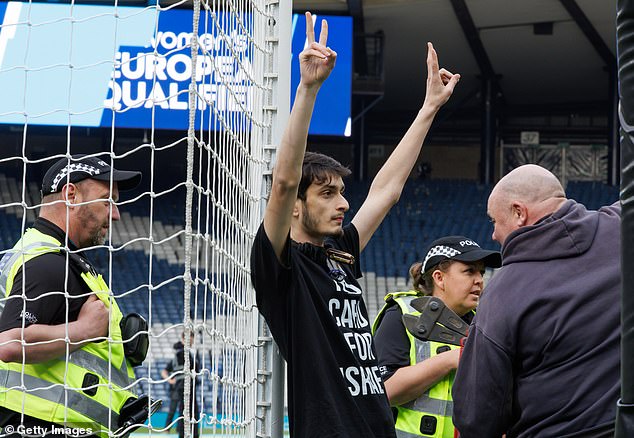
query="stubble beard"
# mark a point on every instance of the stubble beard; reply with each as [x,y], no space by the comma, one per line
[309,222]
[95,238]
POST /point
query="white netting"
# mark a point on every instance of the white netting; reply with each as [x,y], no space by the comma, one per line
[179,256]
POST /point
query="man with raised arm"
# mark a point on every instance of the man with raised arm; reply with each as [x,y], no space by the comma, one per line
[542,357]
[305,262]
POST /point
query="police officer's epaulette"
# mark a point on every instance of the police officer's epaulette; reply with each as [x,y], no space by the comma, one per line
[79,262]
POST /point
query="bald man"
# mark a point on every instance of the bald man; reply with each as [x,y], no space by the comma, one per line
[542,357]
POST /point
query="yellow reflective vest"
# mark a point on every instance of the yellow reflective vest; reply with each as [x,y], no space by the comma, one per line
[430,414]
[84,389]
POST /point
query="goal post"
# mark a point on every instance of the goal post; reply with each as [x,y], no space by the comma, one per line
[271,399]
[196,97]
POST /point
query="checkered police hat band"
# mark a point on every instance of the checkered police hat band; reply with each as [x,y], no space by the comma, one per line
[72,168]
[439,250]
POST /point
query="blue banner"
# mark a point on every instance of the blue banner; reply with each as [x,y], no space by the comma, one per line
[97,66]
[332,109]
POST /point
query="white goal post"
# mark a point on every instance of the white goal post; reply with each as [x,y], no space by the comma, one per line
[195,95]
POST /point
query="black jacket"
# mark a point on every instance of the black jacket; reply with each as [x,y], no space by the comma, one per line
[543,354]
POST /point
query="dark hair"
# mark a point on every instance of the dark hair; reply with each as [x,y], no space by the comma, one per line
[319,168]
[416,275]
[426,281]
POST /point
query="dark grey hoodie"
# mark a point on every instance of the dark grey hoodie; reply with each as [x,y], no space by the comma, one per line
[543,354]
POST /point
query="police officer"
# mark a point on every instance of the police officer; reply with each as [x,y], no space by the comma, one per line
[419,375]
[55,368]
[174,372]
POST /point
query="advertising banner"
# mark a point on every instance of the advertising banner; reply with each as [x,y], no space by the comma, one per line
[130,67]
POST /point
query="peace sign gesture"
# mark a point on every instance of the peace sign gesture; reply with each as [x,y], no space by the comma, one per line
[317,60]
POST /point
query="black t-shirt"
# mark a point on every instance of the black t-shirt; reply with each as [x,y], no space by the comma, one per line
[392,343]
[41,275]
[178,362]
[316,313]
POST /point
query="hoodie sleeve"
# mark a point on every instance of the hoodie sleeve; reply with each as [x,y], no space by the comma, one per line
[482,388]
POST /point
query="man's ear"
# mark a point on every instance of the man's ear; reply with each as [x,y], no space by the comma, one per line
[70,193]
[520,213]
[297,208]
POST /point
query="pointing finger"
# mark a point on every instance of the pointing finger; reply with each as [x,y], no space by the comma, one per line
[310,31]
[432,60]
[323,33]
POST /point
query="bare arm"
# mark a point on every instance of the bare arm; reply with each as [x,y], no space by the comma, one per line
[91,323]
[316,63]
[388,184]
[166,375]
[408,383]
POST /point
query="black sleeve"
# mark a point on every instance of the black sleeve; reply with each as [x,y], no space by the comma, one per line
[484,380]
[271,279]
[349,243]
[391,343]
[44,274]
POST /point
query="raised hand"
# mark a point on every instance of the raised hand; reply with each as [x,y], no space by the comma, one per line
[440,82]
[317,60]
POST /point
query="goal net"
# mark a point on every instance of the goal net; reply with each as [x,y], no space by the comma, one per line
[182,93]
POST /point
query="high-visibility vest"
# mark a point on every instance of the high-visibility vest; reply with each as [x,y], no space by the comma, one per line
[430,414]
[85,389]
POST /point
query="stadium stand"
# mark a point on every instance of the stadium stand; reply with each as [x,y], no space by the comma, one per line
[427,209]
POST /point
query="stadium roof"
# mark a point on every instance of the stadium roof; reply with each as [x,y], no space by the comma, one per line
[548,55]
